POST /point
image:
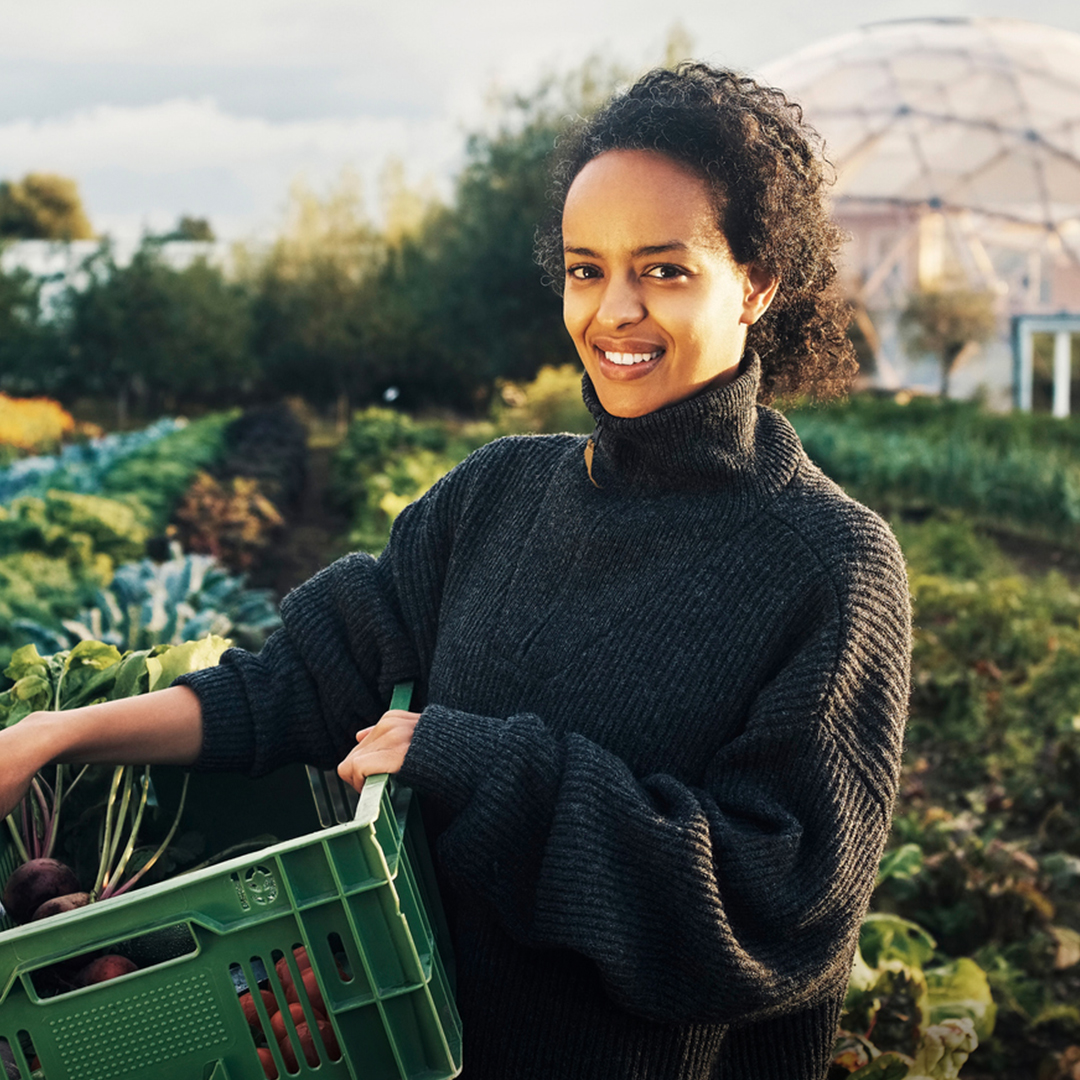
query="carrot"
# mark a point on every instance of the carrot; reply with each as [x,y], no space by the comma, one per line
[104,968]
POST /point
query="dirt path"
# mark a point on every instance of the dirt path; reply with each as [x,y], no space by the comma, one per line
[314,535]
[1037,557]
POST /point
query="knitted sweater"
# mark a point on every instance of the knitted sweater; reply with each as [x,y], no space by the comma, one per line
[661,737]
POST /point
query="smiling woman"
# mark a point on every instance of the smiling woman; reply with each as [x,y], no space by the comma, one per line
[654,320]
[662,673]
[749,179]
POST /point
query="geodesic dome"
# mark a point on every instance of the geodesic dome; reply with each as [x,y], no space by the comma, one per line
[956,144]
[975,114]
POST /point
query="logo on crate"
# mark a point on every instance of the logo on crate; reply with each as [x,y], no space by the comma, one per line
[259,886]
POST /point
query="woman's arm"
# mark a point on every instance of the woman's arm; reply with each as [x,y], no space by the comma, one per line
[160,728]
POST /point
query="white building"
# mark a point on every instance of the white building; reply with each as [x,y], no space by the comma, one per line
[957,149]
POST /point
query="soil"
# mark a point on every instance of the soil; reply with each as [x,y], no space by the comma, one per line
[1037,557]
[314,534]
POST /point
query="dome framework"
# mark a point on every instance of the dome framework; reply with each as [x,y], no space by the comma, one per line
[956,144]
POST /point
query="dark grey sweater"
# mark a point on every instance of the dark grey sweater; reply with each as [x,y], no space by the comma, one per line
[661,737]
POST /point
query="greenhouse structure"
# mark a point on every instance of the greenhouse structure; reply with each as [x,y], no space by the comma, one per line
[956,145]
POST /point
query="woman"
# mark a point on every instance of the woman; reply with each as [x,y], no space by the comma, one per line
[664,671]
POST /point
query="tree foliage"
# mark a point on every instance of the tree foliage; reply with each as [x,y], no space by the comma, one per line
[189,228]
[158,334]
[310,311]
[31,359]
[42,206]
[460,302]
[945,321]
[438,301]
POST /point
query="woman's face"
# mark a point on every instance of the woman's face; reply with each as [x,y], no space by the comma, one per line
[654,301]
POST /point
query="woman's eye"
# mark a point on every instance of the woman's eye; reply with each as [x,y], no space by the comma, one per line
[665,271]
[582,272]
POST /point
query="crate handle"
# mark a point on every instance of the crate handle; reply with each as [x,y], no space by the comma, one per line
[335,801]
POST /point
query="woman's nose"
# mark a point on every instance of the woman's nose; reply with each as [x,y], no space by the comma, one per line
[621,304]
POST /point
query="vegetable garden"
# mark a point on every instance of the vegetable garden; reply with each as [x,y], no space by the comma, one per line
[116,550]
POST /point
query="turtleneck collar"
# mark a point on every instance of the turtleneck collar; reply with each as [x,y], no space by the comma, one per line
[711,441]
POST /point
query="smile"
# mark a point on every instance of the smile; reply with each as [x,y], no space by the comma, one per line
[627,359]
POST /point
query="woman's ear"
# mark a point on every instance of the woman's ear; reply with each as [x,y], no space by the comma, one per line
[758,295]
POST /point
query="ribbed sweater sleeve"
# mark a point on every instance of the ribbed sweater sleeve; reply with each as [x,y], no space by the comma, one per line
[722,902]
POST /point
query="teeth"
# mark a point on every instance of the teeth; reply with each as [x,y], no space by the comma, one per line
[627,358]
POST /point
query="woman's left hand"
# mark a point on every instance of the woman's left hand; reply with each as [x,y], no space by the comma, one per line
[379,749]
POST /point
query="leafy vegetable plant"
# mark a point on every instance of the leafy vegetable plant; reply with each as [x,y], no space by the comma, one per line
[91,672]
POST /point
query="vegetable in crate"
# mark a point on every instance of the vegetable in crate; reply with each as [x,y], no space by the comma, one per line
[90,672]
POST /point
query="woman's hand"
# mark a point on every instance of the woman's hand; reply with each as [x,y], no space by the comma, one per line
[379,749]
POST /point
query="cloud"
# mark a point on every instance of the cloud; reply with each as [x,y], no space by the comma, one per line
[139,163]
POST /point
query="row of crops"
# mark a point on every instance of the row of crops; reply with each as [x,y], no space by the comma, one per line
[78,528]
[974,934]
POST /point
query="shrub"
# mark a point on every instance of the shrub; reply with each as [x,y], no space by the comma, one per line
[231,520]
[551,402]
[158,474]
[33,424]
[386,461]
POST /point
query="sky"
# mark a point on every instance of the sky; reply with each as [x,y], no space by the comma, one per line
[214,107]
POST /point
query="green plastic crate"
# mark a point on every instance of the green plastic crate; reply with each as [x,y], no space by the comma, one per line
[358,896]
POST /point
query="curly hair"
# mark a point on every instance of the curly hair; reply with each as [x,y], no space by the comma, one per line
[766,176]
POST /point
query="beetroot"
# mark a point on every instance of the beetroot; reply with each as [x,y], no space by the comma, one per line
[110,966]
[35,882]
[59,904]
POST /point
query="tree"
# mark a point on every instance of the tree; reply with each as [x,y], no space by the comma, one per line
[42,206]
[189,228]
[159,334]
[310,332]
[460,302]
[947,321]
[31,357]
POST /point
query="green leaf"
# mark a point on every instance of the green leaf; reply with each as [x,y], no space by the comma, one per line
[30,693]
[32,688]
[944,1048]
[25,661]
[132,676]
[889,937]
[889,1066]
[863,976]
[905,862]
[959,990]
[85,685]
[12,710]
[178,660]
[95,654]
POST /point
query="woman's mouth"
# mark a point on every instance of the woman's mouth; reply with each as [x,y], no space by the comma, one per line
[627,358]
[619,364]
